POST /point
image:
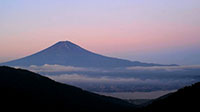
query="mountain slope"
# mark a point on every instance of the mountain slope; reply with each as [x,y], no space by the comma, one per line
[69,54]
[185,99]
[22,90]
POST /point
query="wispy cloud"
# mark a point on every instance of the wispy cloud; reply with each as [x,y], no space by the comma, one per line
[79,78]
[165,68]
[57,68]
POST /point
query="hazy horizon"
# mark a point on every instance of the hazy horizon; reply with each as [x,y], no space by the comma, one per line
[141,58]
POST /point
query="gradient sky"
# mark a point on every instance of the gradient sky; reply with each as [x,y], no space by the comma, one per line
[160,31]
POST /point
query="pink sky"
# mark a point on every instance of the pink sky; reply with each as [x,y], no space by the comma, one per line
[121,29]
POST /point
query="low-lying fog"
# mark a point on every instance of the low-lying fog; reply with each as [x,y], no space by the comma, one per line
[123,80]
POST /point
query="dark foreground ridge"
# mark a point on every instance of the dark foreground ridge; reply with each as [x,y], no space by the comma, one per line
[69,54]
[22,90]
[184,100]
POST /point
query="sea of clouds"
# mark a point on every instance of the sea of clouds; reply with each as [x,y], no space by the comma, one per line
[128,79]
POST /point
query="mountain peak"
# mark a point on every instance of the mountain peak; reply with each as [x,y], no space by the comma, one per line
[70,54]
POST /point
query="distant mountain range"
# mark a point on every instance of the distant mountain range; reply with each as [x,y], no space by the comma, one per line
[69,54]
[22,90]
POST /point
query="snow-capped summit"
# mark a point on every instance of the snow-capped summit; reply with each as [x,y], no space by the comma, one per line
[66,45]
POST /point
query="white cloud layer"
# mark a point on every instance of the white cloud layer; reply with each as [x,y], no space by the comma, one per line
[61,68]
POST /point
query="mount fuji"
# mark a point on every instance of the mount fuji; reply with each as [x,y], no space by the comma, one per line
[69,54]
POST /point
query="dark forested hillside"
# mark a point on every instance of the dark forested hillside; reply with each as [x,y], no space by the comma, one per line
[22,90]
[186,99]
